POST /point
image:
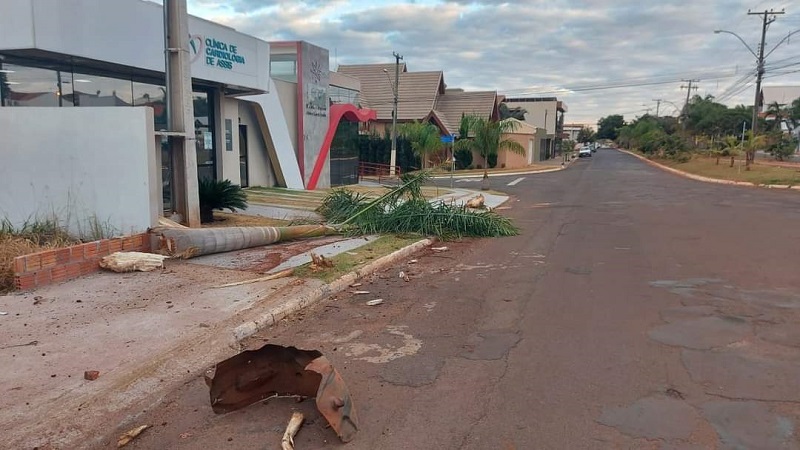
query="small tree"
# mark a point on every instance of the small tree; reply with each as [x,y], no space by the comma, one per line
[485,137]
[585,135]
[424,138]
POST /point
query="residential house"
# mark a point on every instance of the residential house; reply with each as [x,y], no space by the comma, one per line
[547,113]
[422,96]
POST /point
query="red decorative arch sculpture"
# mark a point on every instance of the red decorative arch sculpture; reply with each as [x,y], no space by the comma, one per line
[337,112]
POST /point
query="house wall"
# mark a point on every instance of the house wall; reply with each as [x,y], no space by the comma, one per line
[540,114]
[313,81]
[228,140]
[287,93]
[260,168]
[511,160]
[83,168]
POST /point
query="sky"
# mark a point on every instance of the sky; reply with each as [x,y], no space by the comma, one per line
[600,57]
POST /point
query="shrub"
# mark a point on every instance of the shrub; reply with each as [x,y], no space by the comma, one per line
[463,158]
[216,194]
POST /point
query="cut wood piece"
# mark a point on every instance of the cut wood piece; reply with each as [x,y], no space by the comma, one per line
[164,222]
[274,276]
[319,262]
[130,435]
[287,443]
[132,261]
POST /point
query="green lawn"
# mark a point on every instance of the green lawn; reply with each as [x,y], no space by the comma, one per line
[758,174]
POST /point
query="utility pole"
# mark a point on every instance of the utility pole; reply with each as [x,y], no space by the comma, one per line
[393,158]
[658,105]
[766,21]
[690,85]
[180,116]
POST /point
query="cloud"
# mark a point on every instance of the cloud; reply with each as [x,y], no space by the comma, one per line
[577,49]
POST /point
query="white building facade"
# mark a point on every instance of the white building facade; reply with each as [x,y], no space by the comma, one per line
[101,53]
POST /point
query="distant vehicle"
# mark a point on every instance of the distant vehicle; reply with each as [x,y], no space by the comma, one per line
[585,151]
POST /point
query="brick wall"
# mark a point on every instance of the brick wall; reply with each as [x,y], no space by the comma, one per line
[62,264]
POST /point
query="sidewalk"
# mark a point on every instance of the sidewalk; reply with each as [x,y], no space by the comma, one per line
[146,333]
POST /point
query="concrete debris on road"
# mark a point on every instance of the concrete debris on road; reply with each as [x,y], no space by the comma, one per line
[375,302]
[255,375]
[91,375]
[130,435]
[122,262]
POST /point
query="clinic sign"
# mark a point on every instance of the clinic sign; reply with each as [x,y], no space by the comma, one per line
[215,53]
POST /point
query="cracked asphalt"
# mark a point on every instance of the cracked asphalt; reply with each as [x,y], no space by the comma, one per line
[637,309]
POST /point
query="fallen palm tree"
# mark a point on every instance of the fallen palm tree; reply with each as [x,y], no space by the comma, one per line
[190,242]
[404,209]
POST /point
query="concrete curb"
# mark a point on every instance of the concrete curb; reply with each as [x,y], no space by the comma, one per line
[692,176]
[503,174]
[275,314]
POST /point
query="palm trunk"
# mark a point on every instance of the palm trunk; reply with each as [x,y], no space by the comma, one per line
[189,242]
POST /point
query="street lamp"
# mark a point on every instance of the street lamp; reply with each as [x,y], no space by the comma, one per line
[760,57]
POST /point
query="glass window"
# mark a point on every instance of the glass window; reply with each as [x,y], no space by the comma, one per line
[204,135]
[34,86]
[283,67]
[343,95]
[152,95]
[94,90]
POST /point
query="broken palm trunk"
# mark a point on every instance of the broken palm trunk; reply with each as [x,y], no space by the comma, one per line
[190,242]
[255,375]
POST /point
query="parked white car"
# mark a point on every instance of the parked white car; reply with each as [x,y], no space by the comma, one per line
[585,151]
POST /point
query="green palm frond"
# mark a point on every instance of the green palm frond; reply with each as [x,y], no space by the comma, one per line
[405,210]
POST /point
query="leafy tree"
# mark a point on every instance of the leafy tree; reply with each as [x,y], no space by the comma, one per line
[608,127]
[776,112]
[485,137]
[517,112]
[424,138]
[585,135]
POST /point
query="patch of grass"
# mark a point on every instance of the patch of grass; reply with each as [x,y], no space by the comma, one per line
[31,237]
[758,173]
[345,263]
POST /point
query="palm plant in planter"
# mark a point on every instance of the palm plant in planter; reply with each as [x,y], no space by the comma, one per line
[216,194]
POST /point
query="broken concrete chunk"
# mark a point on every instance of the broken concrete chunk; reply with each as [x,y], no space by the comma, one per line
[255,375]
[91,375]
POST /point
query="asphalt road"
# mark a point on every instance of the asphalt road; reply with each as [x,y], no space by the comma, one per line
[637,309]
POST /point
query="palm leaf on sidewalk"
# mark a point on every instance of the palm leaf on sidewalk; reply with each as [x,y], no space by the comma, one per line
[404,210]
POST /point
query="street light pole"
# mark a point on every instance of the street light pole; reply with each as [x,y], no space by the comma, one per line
[766,21]
[396,92]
